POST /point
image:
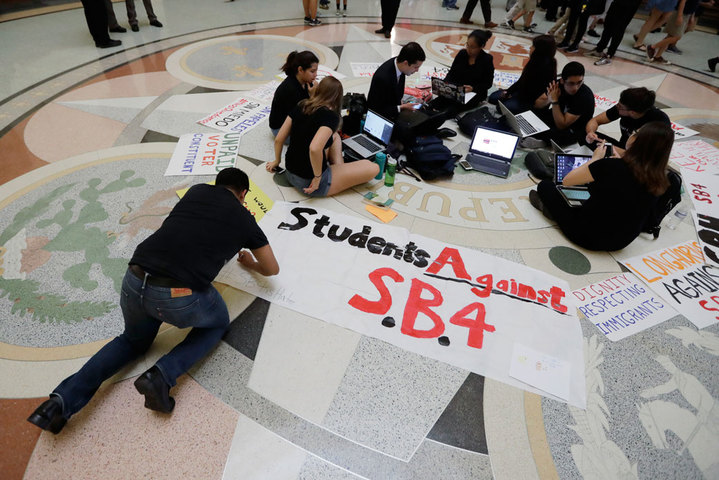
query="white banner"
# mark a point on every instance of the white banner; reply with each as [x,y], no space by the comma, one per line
[364,69]
[505,79]
[680,131]
[265,93]
[428,72]
[240,116]
[703,188]
[621,306]
[679,275]
[203,154]
[696,155]
[453,304]
[602,103]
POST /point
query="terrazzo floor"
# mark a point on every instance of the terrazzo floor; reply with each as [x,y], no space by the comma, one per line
[85,136]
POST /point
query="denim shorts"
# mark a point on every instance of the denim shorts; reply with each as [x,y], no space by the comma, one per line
[299,183]
[662,5]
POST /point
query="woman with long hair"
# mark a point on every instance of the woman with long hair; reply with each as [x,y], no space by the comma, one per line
[623,191]
[314,160]
[538,73]
[301,71]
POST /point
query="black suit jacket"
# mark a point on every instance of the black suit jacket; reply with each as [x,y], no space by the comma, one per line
[386,91]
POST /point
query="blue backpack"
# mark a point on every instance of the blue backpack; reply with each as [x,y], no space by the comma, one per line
[431,158]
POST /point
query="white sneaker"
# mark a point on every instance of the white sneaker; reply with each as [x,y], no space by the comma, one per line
[605,60]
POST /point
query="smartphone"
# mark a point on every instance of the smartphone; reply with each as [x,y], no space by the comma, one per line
[609,150]
[279,170]
[465,164]
[418,106]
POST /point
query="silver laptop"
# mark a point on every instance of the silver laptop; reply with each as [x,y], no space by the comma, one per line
[491,151]
[525,124]
[374,137]
[564,163]
[449,91]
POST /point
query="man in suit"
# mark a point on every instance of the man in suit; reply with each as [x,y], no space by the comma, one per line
[96,18]
[387,87]
[389,15]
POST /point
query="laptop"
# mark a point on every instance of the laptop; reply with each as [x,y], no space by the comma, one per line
[564,163]
[374,137]
[491,151]
[525,124]
[449,91]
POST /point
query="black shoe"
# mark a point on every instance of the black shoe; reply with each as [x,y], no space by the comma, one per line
[712,62]
[445,133]
[134,28]
[593,33]
[118,29]
[562,45]
[536,202]
[48,416]
[387,33]
[156,23]
[156,391]
[108,43]
[381,30]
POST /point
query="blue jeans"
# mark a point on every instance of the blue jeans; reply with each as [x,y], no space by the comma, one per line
[144,308]
[449,3]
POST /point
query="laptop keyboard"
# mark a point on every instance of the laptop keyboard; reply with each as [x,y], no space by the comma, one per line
[526,127]
[487,164]
[367,143]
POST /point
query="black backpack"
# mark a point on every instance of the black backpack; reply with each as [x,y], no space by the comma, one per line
[356,106]
[665,204]
[481,117]
[430,158]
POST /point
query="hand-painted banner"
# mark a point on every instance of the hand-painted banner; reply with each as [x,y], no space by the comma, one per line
[621,306]
[265,93]
[505,79]
[240,116]
[703,188]
[203,154]
[696,155]
[680,131]
[679,275]
[602,103]
[453,304]
[428,72]
[364,69]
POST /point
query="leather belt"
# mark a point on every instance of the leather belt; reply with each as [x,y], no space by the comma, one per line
[155,280]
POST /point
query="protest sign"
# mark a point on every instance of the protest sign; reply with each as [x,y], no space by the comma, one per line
[325,71]
[239,116]
[364,69]
[203,154]
[696,155]
[703,188]
[265,93]
[680,131]
[453,304]
[621,306]
[602,103]
[679,275]
[505,79]
[256,200]
[428,72]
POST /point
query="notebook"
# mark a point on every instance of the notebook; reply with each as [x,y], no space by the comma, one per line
[525,124]
[564,163]
[491,151]
[374,137]
[450,91]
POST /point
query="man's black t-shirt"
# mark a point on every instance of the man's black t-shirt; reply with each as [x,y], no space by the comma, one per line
[206,229]
[581,104]
[630,125]
[304,128]
[287,95]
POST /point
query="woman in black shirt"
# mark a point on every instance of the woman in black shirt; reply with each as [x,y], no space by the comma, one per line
[538,73]
[623,191]
[473,68]
[314,160]
[301,71]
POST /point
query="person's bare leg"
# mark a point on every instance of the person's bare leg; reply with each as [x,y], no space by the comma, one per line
[306,6]
[647,27]
[528,19]
[347,175]
[313,8]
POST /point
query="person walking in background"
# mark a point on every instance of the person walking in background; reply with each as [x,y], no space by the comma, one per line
[619,15]
[486,13]
[132,14]
[342,12]
[96,18]
[578,18]
[389,15]
[660,11]
[712,62]
[676,25]
[310,7]
[522,8]
[112,24]
[450,4]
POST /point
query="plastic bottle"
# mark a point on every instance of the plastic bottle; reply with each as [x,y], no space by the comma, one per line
[678,215]
[380,158]
[390,170]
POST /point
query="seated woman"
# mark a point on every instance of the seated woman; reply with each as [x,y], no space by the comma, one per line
[301,71]
[538,73]
[473,68]
[623,191]
[314,160]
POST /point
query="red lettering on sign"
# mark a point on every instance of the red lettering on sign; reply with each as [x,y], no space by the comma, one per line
[450,256]
[416,305]
[704,303]
[485,280]
[476,325]
[384,303]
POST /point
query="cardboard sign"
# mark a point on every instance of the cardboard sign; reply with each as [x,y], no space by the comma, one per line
[453,304]
[695,155]
[203,154]
[505,79]
[679,275]
[681,131]
[621,306]
[239,116]
[703,188]
[265,93]
[364,69]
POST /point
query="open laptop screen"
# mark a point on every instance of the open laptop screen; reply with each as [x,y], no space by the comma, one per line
[494,143]
[566,163]
[378,127]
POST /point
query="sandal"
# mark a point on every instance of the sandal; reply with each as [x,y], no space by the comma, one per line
[642,47]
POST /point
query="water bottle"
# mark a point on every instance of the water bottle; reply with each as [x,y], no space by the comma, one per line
[390,170]
[678,215]
[380,158]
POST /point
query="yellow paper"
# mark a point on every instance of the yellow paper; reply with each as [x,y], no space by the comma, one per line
[256,201]
[383,214]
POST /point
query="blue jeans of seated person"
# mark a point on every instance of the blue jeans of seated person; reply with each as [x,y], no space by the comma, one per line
[144,308]
[513,104]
